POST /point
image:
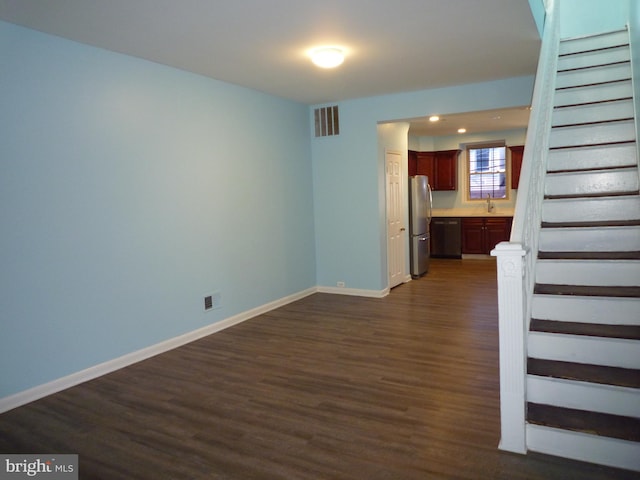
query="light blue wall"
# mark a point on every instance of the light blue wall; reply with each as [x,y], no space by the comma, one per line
[539,14]
[128,191]
[349,174]
[584,17]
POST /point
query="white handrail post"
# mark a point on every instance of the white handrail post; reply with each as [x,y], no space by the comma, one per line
[510,259]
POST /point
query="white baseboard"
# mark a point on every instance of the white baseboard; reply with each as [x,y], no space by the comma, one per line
[354,291]
[26,396]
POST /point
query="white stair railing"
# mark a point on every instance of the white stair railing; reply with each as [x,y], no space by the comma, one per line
[516,258]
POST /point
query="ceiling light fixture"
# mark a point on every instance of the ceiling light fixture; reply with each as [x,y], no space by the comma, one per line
[434,118]
[462,130]
[327,57]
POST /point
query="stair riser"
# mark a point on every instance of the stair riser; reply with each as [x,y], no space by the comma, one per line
[584,447]
[591,239]
[591,209]
[583,396]
[601,57]
[589,183]
[589,272]
[598,112]
[592,134]
[574,78]
[609,311]
[600,157]
[611,352]
[570,46]
[591,94]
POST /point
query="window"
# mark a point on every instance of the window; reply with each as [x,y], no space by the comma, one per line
[487,171]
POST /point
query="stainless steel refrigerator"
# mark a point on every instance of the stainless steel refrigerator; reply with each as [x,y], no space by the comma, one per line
[419,220]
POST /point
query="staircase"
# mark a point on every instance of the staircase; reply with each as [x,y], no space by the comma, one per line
[583,366]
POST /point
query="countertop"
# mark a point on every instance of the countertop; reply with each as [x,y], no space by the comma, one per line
[471,212]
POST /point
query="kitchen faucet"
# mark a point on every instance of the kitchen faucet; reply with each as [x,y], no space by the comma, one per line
[490,205]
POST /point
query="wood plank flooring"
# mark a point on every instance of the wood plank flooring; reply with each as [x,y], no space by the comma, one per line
[329,387]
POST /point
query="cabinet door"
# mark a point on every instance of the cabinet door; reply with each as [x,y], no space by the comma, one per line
[413,163]
[473,235]
[446,170]
[425,165]
[496,230]
[517,152]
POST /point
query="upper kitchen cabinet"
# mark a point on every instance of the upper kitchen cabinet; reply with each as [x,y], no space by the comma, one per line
[413,163]
[441,167]
[446,170]
[517,153]
[425,165]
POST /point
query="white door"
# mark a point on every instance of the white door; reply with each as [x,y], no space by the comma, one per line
[395,219]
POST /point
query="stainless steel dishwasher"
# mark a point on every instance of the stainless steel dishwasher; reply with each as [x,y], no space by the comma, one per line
[446,237]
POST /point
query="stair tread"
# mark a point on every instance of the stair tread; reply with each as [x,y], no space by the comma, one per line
[582,372]
[603,424]
[584,44]
[602,223]
[587,290]
[603,169]
[595,66]
[592,145]
[630,332]
[592,195]
[630,255]
[591,84]
[610,82]
[598,102]
[590,124]
[589,50]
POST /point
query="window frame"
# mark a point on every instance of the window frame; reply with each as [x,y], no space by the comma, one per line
[483,145]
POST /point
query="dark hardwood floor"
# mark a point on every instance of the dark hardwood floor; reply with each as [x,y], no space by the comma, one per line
[329,387]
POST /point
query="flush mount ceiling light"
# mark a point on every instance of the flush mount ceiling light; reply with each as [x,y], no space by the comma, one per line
[434,118]
[462,130]
[327,57]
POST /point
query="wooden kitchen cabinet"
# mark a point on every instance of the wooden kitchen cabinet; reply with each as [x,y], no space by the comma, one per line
[481,234]
[441,167]
[425,165]
[517,152]
[413,163]
[446,170]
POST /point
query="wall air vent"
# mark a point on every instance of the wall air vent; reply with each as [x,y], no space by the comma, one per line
[327,122]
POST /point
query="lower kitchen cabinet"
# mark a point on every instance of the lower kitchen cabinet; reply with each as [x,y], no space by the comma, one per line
[481,234]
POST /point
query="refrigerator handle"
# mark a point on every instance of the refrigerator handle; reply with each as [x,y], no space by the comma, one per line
[430,201]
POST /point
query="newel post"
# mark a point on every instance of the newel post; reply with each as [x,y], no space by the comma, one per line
[510,259]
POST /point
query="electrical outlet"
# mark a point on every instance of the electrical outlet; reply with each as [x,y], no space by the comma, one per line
[341,284]
[213,301]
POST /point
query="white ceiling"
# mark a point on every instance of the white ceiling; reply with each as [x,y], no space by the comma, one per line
[393,46]
[473,122]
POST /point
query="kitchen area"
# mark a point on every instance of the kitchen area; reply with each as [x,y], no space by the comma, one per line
[469,217]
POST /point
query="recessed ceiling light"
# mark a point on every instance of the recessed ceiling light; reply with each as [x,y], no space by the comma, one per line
[462,130]
[434,118]
[327,57]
